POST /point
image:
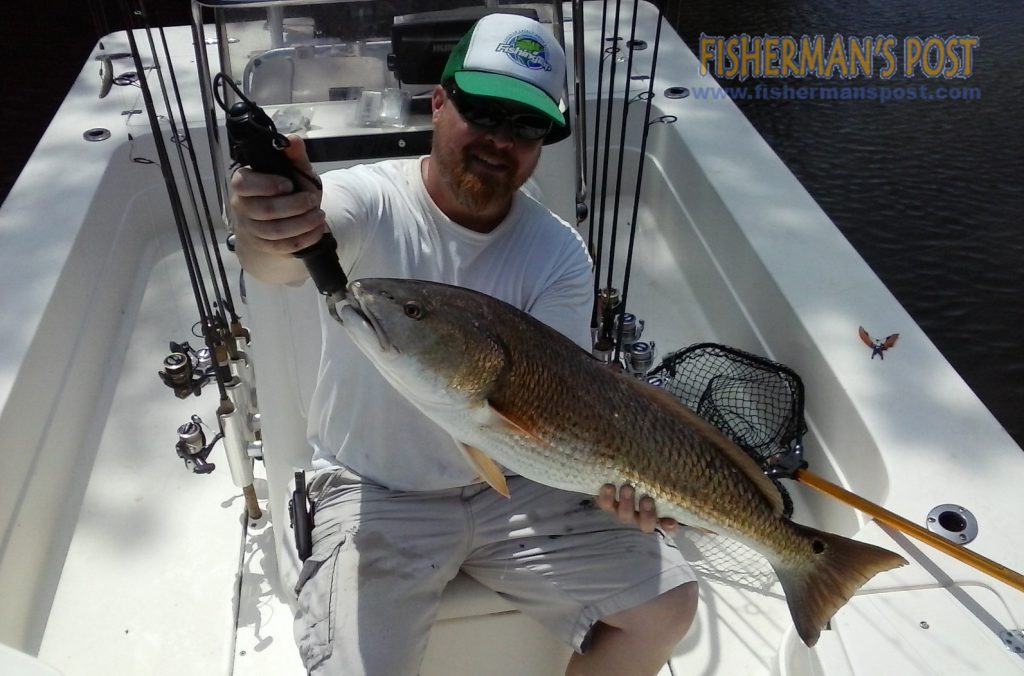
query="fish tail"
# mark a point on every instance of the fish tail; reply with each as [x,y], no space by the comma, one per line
[819,584]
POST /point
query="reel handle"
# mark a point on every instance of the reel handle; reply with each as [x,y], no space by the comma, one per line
[255,141]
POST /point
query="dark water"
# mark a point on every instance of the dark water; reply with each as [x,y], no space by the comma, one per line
[42,49]
[930,193]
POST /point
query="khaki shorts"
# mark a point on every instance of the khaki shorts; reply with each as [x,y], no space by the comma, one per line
[381,559]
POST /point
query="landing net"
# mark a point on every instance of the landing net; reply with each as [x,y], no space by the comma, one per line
[758,404]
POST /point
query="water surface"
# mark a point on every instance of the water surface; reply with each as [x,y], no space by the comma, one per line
[930,193]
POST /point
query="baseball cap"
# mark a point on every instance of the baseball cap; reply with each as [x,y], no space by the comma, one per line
[511,57]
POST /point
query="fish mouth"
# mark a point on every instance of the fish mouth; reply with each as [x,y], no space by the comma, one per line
[354,311]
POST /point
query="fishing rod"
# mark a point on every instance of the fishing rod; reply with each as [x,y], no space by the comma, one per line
[199,43]
[616,330]
[595,319]
[198,288]
[241,387]
[580,92]
[605,301]
[234,413]
[649,98]
[242,438]
[623,125]
[597,133]
[907,527]
[182,137]
[219,278]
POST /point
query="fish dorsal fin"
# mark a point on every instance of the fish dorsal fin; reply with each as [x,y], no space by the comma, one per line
[486,468]
[722,443]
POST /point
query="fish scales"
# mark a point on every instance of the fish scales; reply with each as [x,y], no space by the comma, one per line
[566,404]
[512,390]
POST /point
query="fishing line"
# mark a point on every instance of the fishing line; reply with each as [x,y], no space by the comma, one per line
[640,171]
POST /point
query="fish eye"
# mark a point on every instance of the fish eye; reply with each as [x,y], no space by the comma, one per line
[413,310]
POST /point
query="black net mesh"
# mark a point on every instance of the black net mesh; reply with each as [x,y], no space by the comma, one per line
[757,403]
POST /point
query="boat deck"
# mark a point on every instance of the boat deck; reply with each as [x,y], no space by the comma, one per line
[166,576]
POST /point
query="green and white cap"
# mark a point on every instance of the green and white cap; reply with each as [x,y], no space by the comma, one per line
[512,57]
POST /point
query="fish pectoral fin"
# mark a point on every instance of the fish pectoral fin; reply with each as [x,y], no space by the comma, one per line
[509,424]
[486,468]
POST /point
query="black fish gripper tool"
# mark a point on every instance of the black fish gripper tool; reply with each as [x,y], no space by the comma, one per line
[254,141]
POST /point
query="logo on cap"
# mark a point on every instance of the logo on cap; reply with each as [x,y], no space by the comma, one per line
[526,49]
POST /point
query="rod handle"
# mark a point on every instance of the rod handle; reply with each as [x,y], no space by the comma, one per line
[254,141]
[321,261]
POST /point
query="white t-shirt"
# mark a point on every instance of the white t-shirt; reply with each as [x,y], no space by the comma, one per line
[387,226]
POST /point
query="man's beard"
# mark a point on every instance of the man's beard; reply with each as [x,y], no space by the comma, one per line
[477,192]
[474,191]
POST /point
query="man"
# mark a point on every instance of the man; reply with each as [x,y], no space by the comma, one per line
[398,511]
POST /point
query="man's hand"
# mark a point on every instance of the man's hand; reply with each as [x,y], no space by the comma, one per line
[643,515]
[269,217]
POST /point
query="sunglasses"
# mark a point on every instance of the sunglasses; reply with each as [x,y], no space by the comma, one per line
[487,113]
